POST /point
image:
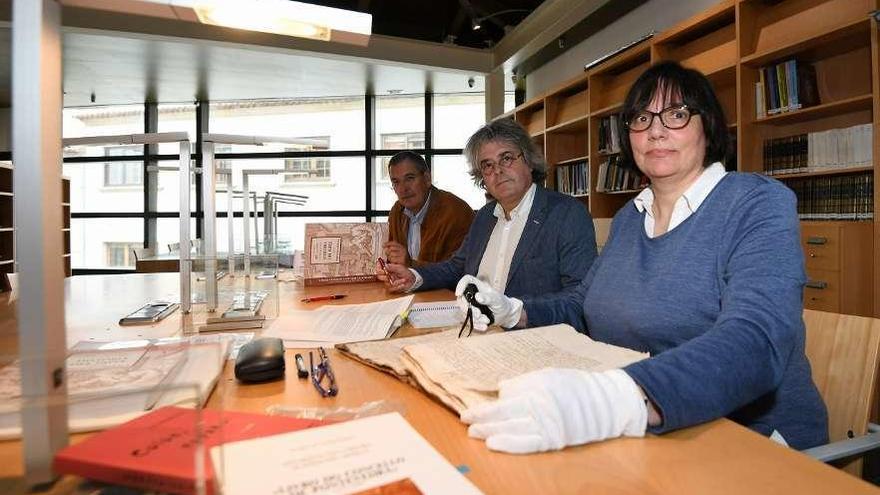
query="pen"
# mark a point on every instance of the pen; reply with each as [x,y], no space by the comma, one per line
[322,298]
[385,270]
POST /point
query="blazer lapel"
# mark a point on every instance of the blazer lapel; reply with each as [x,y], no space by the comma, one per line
[531,231]
[484,232]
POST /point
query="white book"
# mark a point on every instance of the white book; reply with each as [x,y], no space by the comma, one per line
[382,453]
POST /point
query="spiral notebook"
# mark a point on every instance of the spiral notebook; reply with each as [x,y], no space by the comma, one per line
[434,314]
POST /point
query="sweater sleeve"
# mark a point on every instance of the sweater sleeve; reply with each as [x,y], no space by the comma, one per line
[745,353]
[576,250]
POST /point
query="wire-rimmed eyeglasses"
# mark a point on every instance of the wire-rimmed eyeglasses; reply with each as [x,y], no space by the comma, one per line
[672,117]
[321,373]
[504,161]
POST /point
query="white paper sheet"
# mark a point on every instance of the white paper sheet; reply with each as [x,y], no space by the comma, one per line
[337,324]
[348,457]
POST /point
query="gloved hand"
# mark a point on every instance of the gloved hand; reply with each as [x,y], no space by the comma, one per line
[507,310]
[552,408]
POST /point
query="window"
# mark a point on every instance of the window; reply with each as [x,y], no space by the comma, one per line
[313,169]
[123,173]
[222,179]
[119,254]
[399,141]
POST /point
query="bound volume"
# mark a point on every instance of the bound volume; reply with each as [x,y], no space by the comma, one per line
[342,252]
[158,451]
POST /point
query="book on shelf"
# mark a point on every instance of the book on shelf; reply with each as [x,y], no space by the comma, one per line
[573,178]
[380,454]
[613,177]
[838,197]
[342,252]
[785,86]
[159,451]
[464,372]
[832,149]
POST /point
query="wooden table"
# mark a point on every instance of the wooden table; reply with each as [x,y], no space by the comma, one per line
[718,457]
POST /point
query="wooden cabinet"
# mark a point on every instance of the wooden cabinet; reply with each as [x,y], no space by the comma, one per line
[731,43]
[838,257]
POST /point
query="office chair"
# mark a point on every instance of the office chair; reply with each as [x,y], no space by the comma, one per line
[843,351]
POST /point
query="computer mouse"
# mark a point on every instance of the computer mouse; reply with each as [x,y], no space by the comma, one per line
[260,360]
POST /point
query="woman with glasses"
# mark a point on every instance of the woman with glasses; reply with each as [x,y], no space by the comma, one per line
[528,242]
[703,270]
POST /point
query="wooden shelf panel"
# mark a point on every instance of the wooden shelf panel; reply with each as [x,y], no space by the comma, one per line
[822,173]
[711,53]
[567,106]
[577,124]
[572,161]
[770,30]
[610,81]
[532,119]
[846,38]
[862,102]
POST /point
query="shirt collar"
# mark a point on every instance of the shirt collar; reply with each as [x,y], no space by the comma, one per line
[418,217]
[694,195]
[524,206]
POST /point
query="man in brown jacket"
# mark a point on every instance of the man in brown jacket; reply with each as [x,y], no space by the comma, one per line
[426,224]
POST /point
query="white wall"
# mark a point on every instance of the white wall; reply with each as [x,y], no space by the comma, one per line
[655,15]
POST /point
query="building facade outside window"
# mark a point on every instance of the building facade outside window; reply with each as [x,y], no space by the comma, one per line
[123,173]
[108,197]
[120,254]
[311,169]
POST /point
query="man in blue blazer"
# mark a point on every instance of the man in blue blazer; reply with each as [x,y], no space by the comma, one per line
[529,243]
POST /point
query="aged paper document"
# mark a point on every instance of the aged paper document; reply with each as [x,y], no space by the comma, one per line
[465,372]
[342,323]
[353,456]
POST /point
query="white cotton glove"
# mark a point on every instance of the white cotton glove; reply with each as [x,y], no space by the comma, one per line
[553,408]
[506,310]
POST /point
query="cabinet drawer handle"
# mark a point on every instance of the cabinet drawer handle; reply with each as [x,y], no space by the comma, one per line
[817,284]
[816,240]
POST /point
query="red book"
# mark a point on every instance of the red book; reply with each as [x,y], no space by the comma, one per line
[157,451]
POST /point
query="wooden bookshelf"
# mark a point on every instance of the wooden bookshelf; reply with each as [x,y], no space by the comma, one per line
[730,43]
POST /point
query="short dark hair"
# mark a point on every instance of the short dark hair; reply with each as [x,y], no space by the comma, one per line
[675,83]
[416,158]
[511,132]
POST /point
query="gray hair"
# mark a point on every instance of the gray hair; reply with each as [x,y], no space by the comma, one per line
[510,132]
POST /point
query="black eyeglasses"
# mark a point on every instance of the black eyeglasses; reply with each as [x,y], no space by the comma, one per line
[470,293]
[672,117]
[322,372]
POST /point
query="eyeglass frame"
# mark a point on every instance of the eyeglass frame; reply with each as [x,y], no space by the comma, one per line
[494,166]
[691,113]
[320,371]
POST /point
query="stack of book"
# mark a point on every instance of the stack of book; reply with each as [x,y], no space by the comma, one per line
[820,151]
[572,178]
[615,178]
[840,197]
[786,86]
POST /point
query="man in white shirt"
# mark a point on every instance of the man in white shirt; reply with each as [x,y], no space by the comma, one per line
[528,242]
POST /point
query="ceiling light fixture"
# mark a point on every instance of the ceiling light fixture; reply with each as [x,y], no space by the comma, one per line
[477,22]
[283,17]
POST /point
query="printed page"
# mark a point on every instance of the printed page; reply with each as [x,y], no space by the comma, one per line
[434,314]
[336,324]
[477,364]
[377,451]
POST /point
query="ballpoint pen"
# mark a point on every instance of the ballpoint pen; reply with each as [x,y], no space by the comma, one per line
[329,297]
[384,269]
